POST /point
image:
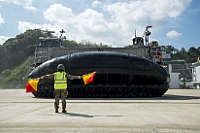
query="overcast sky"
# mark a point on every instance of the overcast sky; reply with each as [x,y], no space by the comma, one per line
[113,22]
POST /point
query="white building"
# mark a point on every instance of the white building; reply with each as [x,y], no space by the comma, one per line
[196,75]
[180,74]
[175,82]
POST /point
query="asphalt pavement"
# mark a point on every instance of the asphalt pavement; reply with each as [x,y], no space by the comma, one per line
[178,111]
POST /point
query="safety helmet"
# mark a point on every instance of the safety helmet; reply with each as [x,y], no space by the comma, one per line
[61,67]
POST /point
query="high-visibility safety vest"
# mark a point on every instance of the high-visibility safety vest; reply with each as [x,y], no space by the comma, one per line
[60,81]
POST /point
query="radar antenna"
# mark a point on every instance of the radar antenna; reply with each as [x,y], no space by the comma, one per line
[49,33]
[62,31]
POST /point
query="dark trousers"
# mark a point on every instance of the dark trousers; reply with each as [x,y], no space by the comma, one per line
[57,94]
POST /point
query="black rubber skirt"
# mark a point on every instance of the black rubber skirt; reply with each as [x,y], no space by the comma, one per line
[117,75]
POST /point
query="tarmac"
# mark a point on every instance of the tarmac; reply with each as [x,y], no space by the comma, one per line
[177,111]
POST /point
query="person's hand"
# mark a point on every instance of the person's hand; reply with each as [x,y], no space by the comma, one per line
[79,77]
[42,77]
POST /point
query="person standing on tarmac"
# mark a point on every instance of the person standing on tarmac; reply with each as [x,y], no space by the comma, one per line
[60,86]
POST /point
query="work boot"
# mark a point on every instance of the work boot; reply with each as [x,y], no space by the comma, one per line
[64,111]
[56,110]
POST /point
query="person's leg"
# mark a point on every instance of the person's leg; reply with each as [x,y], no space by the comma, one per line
[63,96]
[57,98]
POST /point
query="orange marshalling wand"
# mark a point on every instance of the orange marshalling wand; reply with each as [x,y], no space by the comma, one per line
[31,85]
[88,78]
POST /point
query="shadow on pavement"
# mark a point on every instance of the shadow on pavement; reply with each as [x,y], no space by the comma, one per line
[164,97]
[89,116]
[178,97]
[78,115]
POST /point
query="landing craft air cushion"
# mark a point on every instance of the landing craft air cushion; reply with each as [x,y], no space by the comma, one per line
[118,73]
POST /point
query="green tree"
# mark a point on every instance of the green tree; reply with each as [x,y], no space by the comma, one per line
[170,49]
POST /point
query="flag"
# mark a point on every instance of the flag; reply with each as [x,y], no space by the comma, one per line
[88,78]
[31,85]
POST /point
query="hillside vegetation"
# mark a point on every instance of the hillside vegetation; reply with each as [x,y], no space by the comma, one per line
[16,54]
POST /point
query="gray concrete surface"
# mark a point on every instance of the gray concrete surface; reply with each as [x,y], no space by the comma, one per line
[178,111]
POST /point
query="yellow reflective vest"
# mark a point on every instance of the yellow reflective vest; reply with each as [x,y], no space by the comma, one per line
[60,81]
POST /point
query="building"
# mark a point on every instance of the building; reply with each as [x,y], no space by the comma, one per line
[196,74]
[180,74]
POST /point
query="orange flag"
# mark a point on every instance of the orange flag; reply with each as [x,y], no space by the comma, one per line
[88,78]
[31,85]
